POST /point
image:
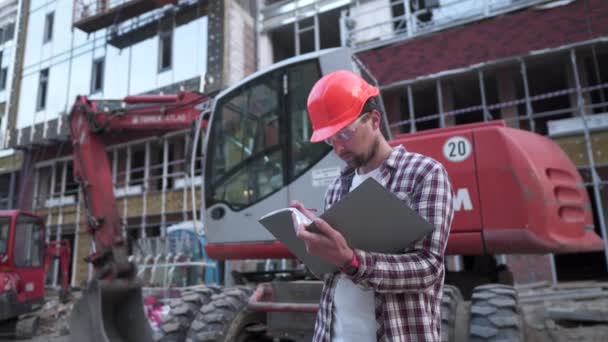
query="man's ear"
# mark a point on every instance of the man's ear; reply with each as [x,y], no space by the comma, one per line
[376,119]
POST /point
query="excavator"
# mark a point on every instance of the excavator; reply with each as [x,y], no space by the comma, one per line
[516,192]
[111,308]
[25,259]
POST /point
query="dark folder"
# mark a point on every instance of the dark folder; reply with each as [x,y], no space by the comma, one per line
[370,217]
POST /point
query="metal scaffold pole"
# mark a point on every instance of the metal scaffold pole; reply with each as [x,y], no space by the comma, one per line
[589,147]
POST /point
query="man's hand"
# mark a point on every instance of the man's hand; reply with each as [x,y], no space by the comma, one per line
[328,244]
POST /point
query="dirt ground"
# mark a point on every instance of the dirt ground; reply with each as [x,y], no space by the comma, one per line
[536,301]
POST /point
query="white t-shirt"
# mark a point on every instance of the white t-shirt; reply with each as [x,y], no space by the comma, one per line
[354,306]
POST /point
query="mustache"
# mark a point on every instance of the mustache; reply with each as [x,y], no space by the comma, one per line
[344,154]
[358,160]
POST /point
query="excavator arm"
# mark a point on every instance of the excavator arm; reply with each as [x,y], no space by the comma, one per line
[59,249]
[112,305]
[88,125]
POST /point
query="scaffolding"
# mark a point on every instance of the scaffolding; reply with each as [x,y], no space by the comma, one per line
[371,24]
[93,15]
[290,11]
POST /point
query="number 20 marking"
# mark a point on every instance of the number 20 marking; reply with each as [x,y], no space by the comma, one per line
[457,149]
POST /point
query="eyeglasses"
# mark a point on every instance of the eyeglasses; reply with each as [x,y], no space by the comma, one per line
[346,133]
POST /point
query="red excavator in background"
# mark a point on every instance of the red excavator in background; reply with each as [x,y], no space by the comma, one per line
[515,192]
[111,308]
[25,259]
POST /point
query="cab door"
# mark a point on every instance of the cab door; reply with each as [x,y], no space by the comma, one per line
[245,171]
[311,167]
[28,257]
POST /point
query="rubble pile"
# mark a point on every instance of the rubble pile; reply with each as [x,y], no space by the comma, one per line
[55,316]
[575,311]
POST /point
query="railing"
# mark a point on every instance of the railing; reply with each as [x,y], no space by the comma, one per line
[371,24]
[589,108]
[160,260]
[8,12]
[288,11]
[84,9]
[91,15]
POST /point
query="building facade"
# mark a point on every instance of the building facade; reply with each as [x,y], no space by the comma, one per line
[108,50]
[10,160]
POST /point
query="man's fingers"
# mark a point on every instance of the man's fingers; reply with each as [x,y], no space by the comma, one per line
[309,237]
[294,204]
[324,228]
[319,223]
[303,210]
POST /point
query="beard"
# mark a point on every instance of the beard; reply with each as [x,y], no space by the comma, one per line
[362,159]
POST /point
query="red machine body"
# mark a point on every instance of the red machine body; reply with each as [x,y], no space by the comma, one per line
[515,192]
[24,261]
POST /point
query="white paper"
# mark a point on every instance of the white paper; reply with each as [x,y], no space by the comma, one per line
[299,217]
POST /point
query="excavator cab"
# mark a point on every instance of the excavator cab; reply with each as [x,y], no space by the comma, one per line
[258,154]
[22,260]
[22,263]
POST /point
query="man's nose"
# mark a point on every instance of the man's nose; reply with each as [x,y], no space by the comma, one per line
[338,147]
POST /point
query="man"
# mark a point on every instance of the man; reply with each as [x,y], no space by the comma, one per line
[383,297]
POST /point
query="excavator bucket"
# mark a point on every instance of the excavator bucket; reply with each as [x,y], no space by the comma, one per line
[110,312]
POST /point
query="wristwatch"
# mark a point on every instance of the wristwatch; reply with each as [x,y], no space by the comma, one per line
[351,267]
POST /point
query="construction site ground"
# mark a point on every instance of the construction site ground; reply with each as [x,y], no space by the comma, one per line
[573,311]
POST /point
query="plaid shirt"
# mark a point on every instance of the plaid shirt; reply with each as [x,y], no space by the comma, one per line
[407,287]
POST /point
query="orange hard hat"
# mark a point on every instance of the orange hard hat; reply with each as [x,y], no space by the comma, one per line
[335,101]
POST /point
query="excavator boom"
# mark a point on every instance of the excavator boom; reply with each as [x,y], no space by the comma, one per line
[111,308]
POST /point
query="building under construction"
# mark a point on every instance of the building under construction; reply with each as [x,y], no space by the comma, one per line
[10,163]
[538,65]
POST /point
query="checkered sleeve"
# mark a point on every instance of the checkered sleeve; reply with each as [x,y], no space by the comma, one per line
[421,266]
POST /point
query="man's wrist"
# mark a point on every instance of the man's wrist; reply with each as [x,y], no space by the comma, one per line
[346,258]
[351,266]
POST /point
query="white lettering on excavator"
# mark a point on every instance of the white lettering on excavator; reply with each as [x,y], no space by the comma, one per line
[159,118]
[462,200]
